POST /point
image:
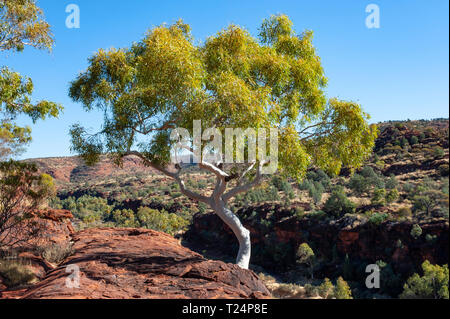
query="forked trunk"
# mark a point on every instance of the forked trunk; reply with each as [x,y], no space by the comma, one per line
[241,233]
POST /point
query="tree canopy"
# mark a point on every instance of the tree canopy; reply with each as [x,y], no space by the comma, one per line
[21,24]
[231,80]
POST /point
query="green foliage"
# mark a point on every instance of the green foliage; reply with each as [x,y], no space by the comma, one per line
[161,220]
[260,194]
[363,182]
[15,273]
[438,152]
[86,207]
[338,204]
[342,289]
[22,191]
[326,289]
[413,140]
[231,80]
[21,23]
[391,182]
[379,197]
[305,255]
[125,218]
[377,218]
[392,196]
[416,231]
[432,285]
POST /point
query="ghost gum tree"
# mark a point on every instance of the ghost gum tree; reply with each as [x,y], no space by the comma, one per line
[232,80]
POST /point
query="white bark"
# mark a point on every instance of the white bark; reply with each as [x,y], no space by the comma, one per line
[241,233]
[218,201]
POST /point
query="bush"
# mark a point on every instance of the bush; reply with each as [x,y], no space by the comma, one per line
[438,152]
[392,196]
[338,204]
[326,289]
[316,191]
[56,253]
[359,184]
[125,218]
[416,231]
[342,289]
[15,273]
[379,197]
[161,220]
[404,212]
[413,140]
[391,182]
[432,285]
[377,218]
[305,255]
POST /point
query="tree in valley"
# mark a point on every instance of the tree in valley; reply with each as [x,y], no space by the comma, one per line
[233,80]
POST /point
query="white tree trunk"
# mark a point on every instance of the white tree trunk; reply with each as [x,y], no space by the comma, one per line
[241,233]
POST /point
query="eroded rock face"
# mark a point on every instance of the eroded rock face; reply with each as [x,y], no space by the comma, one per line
[141,263]
[274,245]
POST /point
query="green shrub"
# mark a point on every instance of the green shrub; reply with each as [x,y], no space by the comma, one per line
[413,140]
[379,197]
[432,285]
[338,204]
[305,255]
[391,182]
[56,253]
[342,289]
[404,212]
[326,289]
[161,220]
[125,218]
[392,196]
[438,152]
[416,231]
[15,273]
[377,218]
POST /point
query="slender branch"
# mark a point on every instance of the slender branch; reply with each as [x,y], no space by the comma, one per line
[242,188]
[174,175]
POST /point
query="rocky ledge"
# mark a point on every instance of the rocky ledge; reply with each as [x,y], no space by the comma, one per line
[141,263]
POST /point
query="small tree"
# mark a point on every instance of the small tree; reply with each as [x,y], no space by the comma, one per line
[338,204]
[22,191]
[432,285]
[416,231]
[305,255]
[342,289]
[232,81]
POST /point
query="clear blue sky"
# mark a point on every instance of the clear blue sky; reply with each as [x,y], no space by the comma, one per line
[396,72]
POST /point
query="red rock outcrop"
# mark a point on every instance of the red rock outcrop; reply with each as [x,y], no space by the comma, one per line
[141,263]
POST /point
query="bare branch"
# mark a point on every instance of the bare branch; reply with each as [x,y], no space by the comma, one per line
[243,188]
